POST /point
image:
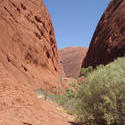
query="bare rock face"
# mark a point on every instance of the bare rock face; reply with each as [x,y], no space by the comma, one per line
[108,41]
[71,60]
[28,61]
[27,41]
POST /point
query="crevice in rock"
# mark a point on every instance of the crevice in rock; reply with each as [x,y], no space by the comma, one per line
[23,7]
[14,6]
[8,59]
[51,40]
[41,31]
[44,25]
[48,54]
[25,69]
[25,123]
[53,51]
[54,65]
[37,35]
[55,69]
[37,19]
[50,32]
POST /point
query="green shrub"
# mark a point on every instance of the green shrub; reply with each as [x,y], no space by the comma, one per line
[85,71]
[101,99]
[69,112]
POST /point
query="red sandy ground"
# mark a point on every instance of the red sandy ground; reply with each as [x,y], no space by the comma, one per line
[19,104]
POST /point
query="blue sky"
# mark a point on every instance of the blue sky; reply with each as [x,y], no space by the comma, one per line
[75,21]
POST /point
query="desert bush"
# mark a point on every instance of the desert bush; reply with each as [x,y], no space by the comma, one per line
[85,71]
[101,99]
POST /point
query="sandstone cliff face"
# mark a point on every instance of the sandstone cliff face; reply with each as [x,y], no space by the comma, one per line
[27,41]
[28,60]
[108,41]
[71,60]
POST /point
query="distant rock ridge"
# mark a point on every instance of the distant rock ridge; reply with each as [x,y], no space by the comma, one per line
[108,41]
[71,60]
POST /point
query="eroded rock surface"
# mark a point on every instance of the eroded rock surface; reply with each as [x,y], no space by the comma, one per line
[28,61]
[27,41]
[108,41]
